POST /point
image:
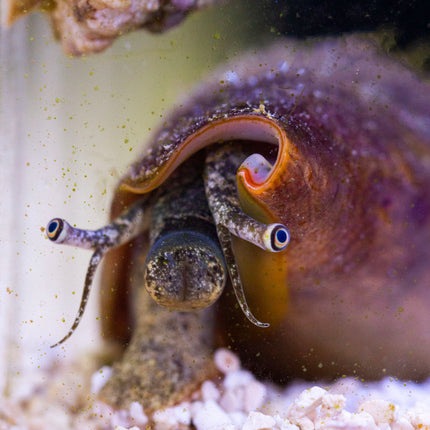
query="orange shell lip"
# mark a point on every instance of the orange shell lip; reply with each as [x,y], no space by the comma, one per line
[242,127]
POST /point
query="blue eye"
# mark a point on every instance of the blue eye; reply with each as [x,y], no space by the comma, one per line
[54,229]
[280,238]
[53,226]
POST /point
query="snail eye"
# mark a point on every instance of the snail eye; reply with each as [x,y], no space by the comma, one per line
[54,229]
[278,237]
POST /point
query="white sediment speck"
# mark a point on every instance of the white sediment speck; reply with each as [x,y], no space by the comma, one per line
[283,66]
[209,415]
[137,415]
[381,410]
[258,421]
[232,400]
[332,404]
[306,403]
[126,428]
[238,418]
[419,416]
[284,423]
[171,418]
[231,77]
[358,421]
[254,396]
[226,361]
[402,423]
[209,391]
[237,379]
[99,379]
[121,418]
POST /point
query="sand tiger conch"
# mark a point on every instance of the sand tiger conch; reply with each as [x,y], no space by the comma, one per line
[283,210]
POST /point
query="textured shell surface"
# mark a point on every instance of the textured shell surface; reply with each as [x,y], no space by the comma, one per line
[349,135]
[295,80]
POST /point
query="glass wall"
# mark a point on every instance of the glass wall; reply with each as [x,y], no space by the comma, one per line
[70,127]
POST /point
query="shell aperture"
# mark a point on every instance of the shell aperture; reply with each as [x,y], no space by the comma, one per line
[186,265]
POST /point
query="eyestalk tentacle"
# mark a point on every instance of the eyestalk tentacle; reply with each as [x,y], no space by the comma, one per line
[120,231]
[221,189]
[222,164]
[92,266]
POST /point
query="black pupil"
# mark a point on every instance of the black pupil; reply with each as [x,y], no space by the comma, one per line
[281,236]
[53,226]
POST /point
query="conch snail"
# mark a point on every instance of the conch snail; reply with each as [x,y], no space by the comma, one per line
[328,143]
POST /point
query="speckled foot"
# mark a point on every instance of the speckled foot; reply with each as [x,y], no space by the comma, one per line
[169,356]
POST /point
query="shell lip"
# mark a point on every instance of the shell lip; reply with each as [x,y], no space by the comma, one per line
[250,127]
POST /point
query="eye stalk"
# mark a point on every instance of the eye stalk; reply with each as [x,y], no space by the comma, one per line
[122,230]
[221,190]
[222,165]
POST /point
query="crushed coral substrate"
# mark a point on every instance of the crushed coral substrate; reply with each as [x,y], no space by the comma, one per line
[66,398]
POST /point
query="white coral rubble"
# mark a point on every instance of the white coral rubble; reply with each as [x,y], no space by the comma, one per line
[237,402]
